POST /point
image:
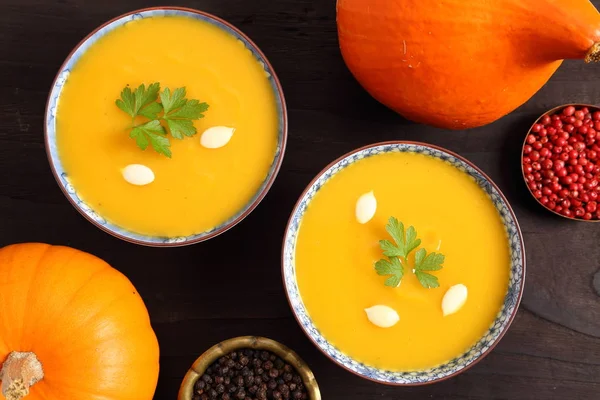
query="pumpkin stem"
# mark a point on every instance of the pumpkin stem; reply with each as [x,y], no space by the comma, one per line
[593,54]
[20,371]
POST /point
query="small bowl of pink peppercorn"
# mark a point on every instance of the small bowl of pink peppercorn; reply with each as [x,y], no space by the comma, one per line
[561,161]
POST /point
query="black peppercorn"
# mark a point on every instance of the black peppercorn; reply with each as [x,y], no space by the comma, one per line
[200,385]
[297,395]
[218,379]
[280,381]
[225,396]
[196,397]
[277,395]
[232,388]
[226,380]
[287,368]
[292,386]
[206,378]
[287,377]
[244,360]
[241,394]
[274,373]
[296,379]
[261,394]
[259,371]
[268,365]
[248,380]
[279,363]
[230,363]
[264,355]
[204,396]
[253,389]
[272,384]
[283,388]
[238,381]
[212,394]
[233,355]
[246,371]
[220,388]
[272,357]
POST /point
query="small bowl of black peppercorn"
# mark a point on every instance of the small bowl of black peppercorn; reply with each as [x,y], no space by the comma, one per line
[249,368]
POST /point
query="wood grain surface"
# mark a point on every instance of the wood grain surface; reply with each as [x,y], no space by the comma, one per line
[552,350]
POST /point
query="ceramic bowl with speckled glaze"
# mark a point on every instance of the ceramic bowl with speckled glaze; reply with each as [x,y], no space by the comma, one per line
[476,352]
[63,178]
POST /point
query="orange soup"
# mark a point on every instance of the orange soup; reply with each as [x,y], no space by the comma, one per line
[198,188]
[336,254]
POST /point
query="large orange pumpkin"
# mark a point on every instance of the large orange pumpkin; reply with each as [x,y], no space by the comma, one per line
[462,63]
[72,328]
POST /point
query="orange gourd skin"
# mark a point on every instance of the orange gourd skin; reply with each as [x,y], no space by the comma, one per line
[461,63]
[83,319]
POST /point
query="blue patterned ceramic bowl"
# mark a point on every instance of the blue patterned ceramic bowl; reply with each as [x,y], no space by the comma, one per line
[62,177]
[487,342]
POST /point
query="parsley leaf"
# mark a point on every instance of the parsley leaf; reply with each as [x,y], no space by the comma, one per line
[426,280]
[133,103]
[151,132]
[389,249]
[405,242]
[144,97]
[428,262]
[180,112]
[127,102]
[172,102]
[392,267]
[177,112]
[151,111]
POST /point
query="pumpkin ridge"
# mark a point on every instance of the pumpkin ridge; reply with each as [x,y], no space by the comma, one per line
[81,288]
[29,290]
[87,391]
[93,318]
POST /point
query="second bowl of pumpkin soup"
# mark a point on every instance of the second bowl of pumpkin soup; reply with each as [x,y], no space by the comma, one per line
[166,126]
[403,263]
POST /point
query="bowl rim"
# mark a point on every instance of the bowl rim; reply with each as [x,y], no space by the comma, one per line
[249,207]
[552,111]
[209,356]
[494,185]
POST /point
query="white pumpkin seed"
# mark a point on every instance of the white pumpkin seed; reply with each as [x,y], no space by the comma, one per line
[138,174]
[366,206]
[382,316]
[217,136]
[454,299]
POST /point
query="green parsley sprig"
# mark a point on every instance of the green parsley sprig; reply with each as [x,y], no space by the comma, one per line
[174,109]
[405,241]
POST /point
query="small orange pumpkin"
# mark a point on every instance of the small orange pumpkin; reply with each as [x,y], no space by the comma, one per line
[72,328]
[462,63]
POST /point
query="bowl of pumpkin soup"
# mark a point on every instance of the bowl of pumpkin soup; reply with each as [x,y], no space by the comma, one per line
[404,263]
[166,126]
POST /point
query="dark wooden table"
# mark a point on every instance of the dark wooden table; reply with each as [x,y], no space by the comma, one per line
[552,350]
